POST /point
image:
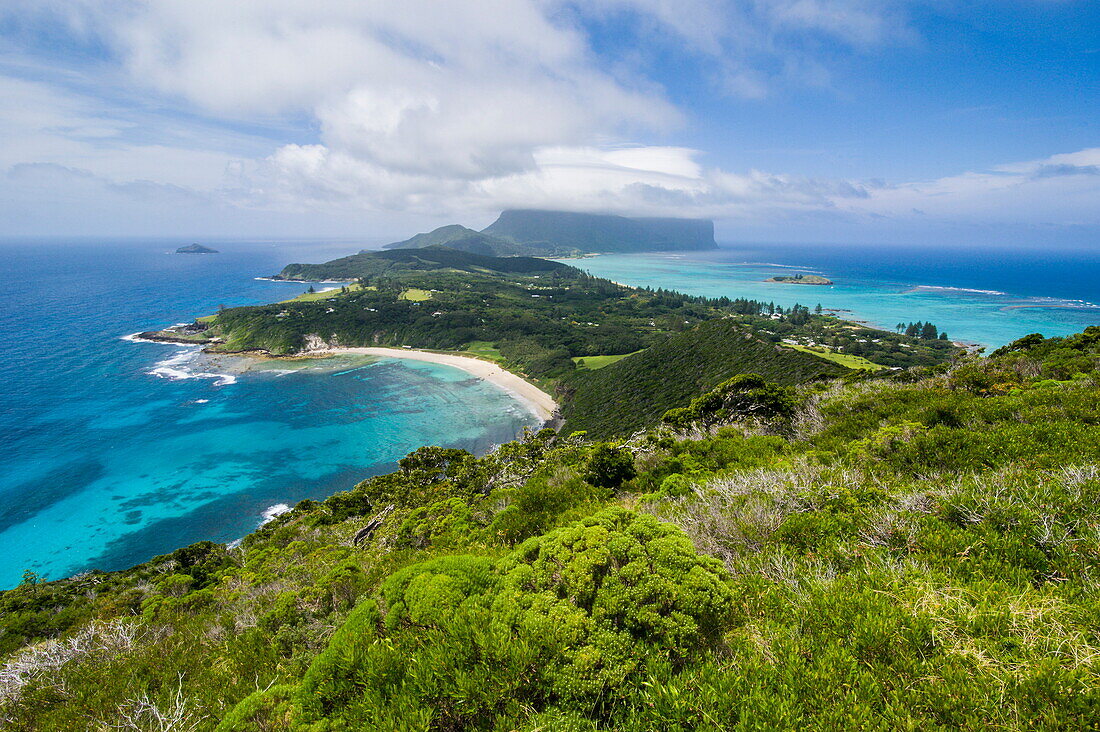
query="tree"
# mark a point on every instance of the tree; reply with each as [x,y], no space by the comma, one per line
[311,290]
[900,327]
[943,335]
[818,309]
[928,331]
[913,330]
[609,467]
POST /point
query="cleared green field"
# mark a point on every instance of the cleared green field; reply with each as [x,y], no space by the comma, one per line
[852,362]
[325,294]
[415,294]
[598,362]
[482,349]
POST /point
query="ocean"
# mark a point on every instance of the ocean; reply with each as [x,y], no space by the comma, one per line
[112,451]
[982,295]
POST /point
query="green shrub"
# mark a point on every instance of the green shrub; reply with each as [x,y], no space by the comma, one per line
[269,710]
[565,621]
[609,467]
[545,500]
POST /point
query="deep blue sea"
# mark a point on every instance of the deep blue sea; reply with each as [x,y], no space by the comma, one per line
[983,295]
[113,451]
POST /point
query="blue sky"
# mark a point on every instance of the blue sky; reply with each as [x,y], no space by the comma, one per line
[896,121]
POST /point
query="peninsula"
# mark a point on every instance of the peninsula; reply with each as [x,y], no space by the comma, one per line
[536,318]
[196,249]
[800,279]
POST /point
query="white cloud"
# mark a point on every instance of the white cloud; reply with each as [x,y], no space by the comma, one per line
[260,112]
[640,180]
[41,124]
[1061,190]
[463,89]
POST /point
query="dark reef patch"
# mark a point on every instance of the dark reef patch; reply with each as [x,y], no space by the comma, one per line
[222,520]
[22,501]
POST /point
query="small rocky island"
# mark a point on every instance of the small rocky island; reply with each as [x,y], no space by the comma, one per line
[196,249]
[800,279]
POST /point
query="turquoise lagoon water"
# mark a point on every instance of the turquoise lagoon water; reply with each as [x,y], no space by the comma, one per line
[113,451]
[988,296]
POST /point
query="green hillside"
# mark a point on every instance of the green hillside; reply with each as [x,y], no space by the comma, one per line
[538,315]
[541,316]
[634,392]
[913,550]
[366,265]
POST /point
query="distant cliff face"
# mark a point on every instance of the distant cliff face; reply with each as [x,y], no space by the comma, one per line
[561,234]
[601,233]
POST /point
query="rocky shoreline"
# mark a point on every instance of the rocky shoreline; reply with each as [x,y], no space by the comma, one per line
[186,334]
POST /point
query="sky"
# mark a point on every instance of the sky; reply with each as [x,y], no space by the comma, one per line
[865,121]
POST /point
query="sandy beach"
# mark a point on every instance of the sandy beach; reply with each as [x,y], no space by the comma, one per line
[541,403]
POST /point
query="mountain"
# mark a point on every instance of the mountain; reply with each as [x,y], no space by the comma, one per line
[555,230]
[566,234]
[456,236]
[633,393]
[433,257]
[196,249]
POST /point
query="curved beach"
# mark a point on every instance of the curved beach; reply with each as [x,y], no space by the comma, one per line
[538,401]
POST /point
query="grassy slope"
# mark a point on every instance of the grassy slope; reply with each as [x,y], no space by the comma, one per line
[634,392]
[844,359]
[927,546]
[482,349]
[415,294]
[593,363]
[324,294]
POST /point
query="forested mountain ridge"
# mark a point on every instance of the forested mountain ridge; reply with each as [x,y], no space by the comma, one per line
[924,540]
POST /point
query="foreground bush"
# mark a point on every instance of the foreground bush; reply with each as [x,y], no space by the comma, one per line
[569,621]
